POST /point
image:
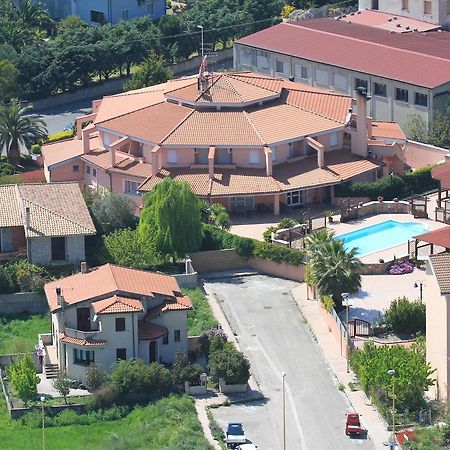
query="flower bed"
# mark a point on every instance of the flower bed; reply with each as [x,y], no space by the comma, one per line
[401,268]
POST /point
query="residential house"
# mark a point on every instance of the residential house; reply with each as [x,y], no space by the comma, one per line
[96,12]
[109,313]
[245,140]
[404,73]
[45,222]
[433,11]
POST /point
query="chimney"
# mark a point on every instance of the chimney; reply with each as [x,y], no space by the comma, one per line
[155,160]
[85,137]
[27,218]
[268,155]
[211,156]
[361,122]
[112,155]
[84,267]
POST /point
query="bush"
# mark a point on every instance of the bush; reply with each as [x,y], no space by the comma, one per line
[6,169]
[135,376]
[22,374]
[36,149]
[404,316]
[106,395]
[229,364]
[60,136]
[22,276]
[94,377]
[183,370]
[213,340]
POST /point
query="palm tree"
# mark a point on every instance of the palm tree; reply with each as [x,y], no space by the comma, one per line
[316,239]
[32,14]
[17,128]
[334,270]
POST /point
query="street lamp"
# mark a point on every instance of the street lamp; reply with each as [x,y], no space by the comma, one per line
[200,27]
[43,422]
[283,376]
[345,297]
[392,374]
[419,284]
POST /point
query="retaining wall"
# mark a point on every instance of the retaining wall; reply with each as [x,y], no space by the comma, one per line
[187,280]
[281,270]
[218,261]
[225,388]
[32,302]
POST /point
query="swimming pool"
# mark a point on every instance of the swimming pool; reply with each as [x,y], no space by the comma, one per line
[381,236]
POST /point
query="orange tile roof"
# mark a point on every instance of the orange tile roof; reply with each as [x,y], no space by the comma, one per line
[440,237]
[442,174]
[61,151]
[389,130]
[110,279]
[132,167]
[117,304]
[441,268]
[150,331]
[346,165]
[182,303]
[100,158]
[82,342]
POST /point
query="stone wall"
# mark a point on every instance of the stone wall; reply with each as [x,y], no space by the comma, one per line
[187,280]
[32,302]
[218,261]
[391,207]
[281,270]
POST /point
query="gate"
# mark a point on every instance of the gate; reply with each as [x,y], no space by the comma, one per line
[419,206]
[359,328]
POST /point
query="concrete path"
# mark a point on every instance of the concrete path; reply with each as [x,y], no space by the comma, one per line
[374,423]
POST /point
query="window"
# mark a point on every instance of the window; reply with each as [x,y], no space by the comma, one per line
[379,89]
[97,17]
[301,71]
[150,9]
[75,168]
[401,95]
[172,157]
[427,7]
[421,99]
[131,187]
[58,245]
[201,156]
[254,157]
[333,139]
[121,353]
[294,198]
[125,14]
[340,81]
[166,339]
[120,324]
[360,83]
[94,172]
[375,4]
[405,4]
[88,169]
[83,357]
[246,57]
[280,66]
[84,319]
[177,335]
[262,60]
[241,203]
[321,76]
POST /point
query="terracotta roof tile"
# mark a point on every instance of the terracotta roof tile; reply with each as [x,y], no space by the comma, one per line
[132,167]
[441,267]
[150,331]
[270,83]
[117,304]
[10,212]
[347,165]
[82,342]
[442,173]
[242,181]
[58,152]
[330,42]
[390,130]
[110,279]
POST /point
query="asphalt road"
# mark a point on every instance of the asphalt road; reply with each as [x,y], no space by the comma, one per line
[274,336]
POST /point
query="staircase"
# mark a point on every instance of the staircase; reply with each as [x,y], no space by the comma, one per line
[51,370]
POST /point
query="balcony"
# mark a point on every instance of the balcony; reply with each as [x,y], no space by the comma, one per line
[84,335]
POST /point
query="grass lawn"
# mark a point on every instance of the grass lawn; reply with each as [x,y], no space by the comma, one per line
[201,317]
[170,424]
[18,333]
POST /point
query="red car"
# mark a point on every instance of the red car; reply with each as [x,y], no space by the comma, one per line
[353,425]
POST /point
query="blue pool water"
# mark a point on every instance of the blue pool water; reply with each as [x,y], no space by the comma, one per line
[381,236]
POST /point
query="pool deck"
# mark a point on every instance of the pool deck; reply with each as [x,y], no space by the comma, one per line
[389,253]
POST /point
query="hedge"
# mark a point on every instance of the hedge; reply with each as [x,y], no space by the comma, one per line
[60,136]
[217,239]
[389,187]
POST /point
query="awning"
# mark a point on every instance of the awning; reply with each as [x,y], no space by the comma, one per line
[440,237]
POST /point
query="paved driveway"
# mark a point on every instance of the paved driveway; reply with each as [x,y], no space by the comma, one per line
[272,333]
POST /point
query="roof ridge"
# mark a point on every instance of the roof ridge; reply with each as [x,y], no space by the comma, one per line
[246,80]
[178,125]
[247,116]
[302,108]
[363,40]
[233,88]
[110,267]
[318,91]
[131,112]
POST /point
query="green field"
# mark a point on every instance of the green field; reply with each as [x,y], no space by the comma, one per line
[19,333]
[170,424]
[201,317]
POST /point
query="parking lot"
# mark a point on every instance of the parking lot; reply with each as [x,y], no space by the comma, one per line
[274,336]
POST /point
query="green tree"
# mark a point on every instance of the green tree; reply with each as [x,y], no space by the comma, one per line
[9,87]
[229,364]
[17,128]
[183,370]
[22,374]
[437,133]
[170,220]
[94,376]
[316,239]
[404,316]
[112,211]
[152,71]
[32,14]
[218,216]
[62,384]
[334,270]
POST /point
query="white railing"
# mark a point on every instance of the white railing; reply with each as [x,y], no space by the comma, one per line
[78,334]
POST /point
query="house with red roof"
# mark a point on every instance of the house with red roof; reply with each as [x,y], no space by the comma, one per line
[112,313]
[403,64]
[245,140]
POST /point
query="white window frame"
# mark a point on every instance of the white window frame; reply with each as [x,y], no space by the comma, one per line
[253,157]
[172,156]
[299,195]
[128,188]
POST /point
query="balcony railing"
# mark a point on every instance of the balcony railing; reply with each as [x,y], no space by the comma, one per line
[78,334]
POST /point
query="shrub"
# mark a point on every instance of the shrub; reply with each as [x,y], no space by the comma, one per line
[6,169]
[267,235]
[60,136]
[22,276]
[229,364]
[212,340]
[183,370]
[404,316]
[62,384]
[106,395]
[22,374]
[36,149]
[135,376]
[94,377]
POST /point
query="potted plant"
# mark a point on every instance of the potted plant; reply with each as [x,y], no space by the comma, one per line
[329,216]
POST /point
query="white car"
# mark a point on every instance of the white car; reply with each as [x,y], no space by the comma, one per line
[247,447]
